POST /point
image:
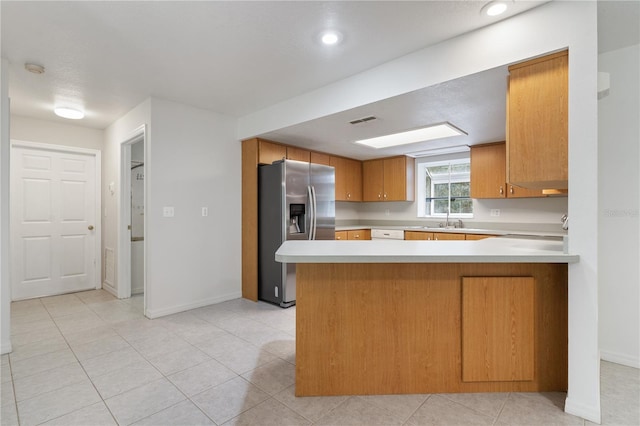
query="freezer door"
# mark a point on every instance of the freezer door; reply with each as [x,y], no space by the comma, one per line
[323,181]
[297,208]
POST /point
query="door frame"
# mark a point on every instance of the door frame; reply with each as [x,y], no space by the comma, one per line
[98,194]
[124,215]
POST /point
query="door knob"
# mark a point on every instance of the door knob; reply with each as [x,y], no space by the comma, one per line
[90,227]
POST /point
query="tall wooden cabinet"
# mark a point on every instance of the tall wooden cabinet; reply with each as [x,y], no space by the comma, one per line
[537,122]
[388,179]
[488,174]
[348,178]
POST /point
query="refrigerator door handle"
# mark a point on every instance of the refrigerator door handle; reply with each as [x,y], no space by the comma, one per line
[311,213]
[315,212]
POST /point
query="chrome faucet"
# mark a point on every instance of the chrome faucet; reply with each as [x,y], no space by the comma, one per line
[460,225]
[565,221]
[446,224]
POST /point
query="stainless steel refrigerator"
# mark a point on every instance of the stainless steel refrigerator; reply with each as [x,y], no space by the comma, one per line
[296,201]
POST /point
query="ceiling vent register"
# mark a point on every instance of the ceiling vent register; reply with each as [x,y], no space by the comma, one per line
[363,120]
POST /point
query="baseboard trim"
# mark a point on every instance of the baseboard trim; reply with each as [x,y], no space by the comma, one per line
[5,346]
[629,361]
[157,313]
[108,287]
[585,411]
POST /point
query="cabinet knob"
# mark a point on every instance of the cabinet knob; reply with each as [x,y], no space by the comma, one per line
[385,195]
[379,195]
[511,189]
[501,190]
[348,195]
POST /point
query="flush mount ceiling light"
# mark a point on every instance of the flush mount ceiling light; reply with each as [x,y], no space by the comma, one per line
[70,113]
[435,131]
[496,7]
[330,38]
[34,68]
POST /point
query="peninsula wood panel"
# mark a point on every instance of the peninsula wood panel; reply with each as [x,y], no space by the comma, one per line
[250,219]
[396,328]
[497,329]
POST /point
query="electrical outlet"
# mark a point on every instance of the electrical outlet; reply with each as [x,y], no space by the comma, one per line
[205,211]
[168,212]
[495,212]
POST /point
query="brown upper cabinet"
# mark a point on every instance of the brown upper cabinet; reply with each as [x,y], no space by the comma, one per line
[488,174]
[537,123]
[299,154]
[319,158]
[348,179]
[388,179]
[268,152]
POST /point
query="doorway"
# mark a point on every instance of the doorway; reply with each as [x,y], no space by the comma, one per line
[132,223]
[55,222]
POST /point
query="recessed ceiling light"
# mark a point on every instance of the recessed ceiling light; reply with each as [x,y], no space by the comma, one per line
[435,131]
[34,68]
[71,113]
[495,8]
[330,37]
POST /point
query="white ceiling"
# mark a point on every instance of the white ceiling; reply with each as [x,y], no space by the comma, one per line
[236,57]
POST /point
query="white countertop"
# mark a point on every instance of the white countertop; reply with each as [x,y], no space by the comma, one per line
[489,250]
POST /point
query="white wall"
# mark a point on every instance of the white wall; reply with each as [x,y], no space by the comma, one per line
[34,130]
[120,131]
[619,193]
[5,284]
[193,161]
[550,27]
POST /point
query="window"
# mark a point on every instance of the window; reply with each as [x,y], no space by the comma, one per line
[443,186]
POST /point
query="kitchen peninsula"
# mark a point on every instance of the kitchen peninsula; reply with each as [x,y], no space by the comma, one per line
[393,317]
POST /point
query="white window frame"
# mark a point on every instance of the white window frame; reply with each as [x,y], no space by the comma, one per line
[421,176]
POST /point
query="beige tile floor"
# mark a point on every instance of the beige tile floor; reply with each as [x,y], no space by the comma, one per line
[90,359]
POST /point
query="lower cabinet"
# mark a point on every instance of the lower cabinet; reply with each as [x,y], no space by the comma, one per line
[355,234]
[477,236]
[447,236]
[418,235]
[498,321]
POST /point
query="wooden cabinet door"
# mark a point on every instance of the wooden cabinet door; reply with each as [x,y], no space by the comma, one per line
[514,191]
[498,316]
[537,129]
[270,152]
[447,236]
[342,235]
[373,180]
[474,237]
[298,154]
[398,179]
[418,235]
[320,158]
[359,234]
[353,179]
[488,175]
[341,177]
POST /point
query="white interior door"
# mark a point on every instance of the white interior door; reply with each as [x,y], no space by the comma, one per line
[53,229]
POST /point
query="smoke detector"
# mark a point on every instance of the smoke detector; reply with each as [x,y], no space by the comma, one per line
[34,68]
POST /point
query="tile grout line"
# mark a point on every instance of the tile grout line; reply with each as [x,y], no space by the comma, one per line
[504,404]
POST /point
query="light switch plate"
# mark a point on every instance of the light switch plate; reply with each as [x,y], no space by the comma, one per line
[205,211]
[168,212]
[495,212]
